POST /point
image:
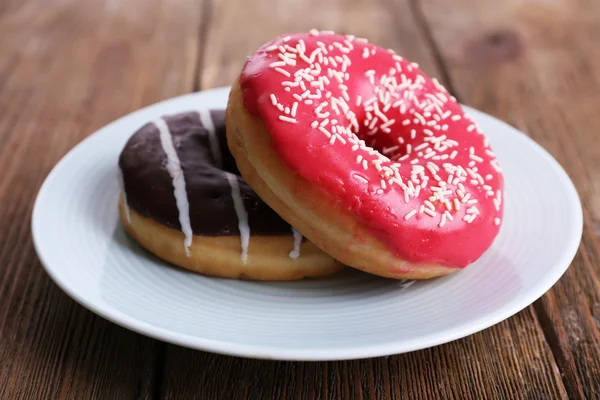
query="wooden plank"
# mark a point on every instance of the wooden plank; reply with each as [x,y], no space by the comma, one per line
[67,68]
[510,360]
[236,30]
[536,65]
[504,362]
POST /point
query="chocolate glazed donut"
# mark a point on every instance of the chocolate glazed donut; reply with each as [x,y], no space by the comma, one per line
[182,199]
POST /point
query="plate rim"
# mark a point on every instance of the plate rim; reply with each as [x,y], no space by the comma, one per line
[294,354]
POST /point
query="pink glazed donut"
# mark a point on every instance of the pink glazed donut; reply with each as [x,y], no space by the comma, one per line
[369,158]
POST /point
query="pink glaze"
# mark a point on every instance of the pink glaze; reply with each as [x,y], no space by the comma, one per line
[383,140]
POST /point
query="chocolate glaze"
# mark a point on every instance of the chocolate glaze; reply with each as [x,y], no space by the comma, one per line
[149,187]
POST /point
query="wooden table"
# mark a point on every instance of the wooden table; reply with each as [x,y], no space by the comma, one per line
[67,67]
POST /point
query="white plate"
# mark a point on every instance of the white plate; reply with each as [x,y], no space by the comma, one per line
[352,315]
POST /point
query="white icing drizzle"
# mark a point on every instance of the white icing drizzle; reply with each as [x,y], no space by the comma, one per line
[294,254]
[207,122]
[242,215]
[174,168]
[124,194]
[405,284]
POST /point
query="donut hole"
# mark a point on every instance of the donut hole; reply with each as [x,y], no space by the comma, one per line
[399,141]
[383,143]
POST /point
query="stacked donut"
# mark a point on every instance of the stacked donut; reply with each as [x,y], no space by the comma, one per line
[371,161]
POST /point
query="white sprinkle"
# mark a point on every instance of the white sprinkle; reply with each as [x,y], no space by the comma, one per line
[430,204]
[360,178]
[325,131]
[443,220]
[496,204]
[495,165]
[294,108]
[429,212]
[448,215]
[472,210]
[410,214]
[448,204]
[497,221]
[287,119]
[419,118]
[456,204]
[387,124]
[283,71]
[273,99]
[388,150]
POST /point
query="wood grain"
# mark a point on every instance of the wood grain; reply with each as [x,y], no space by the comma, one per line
[508,361]
[536,66]
[66,69]
[237,29]
[511,360]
